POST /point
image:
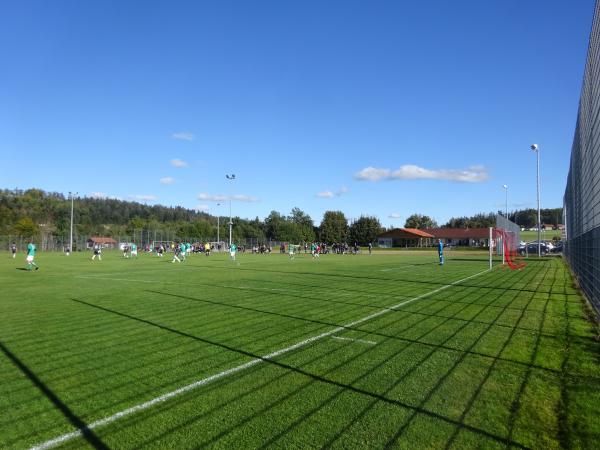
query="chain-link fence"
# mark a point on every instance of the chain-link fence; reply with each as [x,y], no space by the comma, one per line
[582,194]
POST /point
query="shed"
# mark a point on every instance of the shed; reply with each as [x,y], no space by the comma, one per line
[105,242]
[404,237]
[465,237]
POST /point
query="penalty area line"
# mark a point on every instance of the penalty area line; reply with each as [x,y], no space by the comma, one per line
[177,392]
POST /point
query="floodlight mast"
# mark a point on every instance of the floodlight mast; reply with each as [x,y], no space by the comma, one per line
[505,186]
[231,178]
[71,233]
[218,226]
[536,149]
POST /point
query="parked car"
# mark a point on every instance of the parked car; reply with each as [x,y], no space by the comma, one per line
[532,249]
[558,247]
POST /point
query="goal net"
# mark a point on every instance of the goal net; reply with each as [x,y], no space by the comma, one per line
[507,237]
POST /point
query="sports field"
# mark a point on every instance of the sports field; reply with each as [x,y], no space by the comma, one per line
[362,351]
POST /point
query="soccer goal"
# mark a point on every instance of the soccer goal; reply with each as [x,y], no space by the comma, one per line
[506,237]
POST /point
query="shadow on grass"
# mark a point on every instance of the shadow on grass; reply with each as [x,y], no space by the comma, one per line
[88,434]
[348,388]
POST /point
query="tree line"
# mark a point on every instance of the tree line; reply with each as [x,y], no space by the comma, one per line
[526,218]
[31,212]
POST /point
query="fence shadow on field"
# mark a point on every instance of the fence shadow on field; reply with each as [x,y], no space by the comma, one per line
[418,409]
[87,434]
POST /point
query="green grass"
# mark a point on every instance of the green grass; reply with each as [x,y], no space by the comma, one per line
[529,236]
[505,359]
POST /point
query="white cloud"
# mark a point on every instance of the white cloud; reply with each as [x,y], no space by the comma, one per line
[394,215]
[330,194]
[202,208]
[474,174]
[167,180]
[223,198]
[325,194]
[179,163]
[142,197]
[372,174]
[183,136]
[244,198]
[212,198]
[103,196]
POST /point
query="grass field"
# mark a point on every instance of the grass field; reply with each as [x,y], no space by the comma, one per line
[530,236]
[388,350]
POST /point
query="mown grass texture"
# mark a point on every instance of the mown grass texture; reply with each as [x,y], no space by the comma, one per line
[503,359]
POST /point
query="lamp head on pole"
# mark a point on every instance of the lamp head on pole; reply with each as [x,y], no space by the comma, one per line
[230,177]
[505,186]
[534,147]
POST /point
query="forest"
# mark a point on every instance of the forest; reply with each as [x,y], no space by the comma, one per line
[36,213]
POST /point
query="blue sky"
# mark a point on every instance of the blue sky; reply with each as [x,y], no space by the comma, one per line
[382,108]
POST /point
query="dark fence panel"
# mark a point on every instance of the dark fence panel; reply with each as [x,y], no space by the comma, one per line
[582,193]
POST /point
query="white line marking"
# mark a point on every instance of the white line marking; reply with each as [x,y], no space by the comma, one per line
[142,406]
[396,268]
[362,341]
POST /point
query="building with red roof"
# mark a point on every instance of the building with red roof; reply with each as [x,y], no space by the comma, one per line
[464,237]
[105,242]
[405,237]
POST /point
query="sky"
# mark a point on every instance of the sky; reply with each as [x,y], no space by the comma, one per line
[378,108]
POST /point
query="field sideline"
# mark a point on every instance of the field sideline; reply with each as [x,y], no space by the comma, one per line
[387,350]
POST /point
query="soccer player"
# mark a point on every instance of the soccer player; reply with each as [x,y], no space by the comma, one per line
[232,250]
[30,255]
[97,252]
[291,250]
[370,248]
[134,250]
[176,253]
[183,250]
[13,249]
[207,249]
[125,250]
[314,251]
[440,247]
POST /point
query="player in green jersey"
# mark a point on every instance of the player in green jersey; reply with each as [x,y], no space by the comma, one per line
[30,255]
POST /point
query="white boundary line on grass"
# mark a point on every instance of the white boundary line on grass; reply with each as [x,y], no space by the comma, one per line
[362,341]
[160,399]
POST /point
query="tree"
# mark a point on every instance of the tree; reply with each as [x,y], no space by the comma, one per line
[304,228]
[334,227]
[273,225]
[364,230]
[26,227]
[420,222]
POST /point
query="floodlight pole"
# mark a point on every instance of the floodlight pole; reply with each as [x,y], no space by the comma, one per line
[71,234]
[536,149]
[505,186]
[490,239]
[231,178]
[218,227]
